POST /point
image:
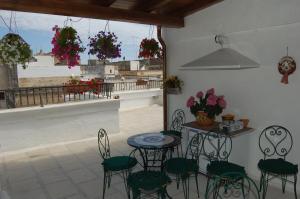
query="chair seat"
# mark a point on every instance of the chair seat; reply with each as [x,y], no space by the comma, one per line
[148,180]
[119,163]
[223,167]
[172,132]
[181,166]
[278,166]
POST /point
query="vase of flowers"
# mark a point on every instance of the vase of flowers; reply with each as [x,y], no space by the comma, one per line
[14,50]
[105,46]
[206,107]
[149,48]
[67,45]
[173,85]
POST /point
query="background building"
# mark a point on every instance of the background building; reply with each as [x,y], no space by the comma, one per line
[46,71]
[98,69]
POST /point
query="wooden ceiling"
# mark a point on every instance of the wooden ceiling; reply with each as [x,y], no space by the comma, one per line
[169,13]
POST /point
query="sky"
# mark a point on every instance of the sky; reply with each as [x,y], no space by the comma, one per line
[36,30]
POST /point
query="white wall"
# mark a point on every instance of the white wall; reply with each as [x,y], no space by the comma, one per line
[44,67]
[138,99]
[23,128]
[134,65]
[260,30]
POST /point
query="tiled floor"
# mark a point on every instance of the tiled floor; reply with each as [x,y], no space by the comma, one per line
[73,171]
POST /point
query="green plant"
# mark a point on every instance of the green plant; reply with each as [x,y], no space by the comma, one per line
[173,82]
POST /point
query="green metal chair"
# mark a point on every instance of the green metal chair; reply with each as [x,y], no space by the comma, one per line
[216,148]
[150,182]
[121,165]
[275,142]
[184,167]
[235,185]
[178,118]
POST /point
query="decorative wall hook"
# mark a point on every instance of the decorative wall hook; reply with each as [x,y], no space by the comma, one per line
[286,66]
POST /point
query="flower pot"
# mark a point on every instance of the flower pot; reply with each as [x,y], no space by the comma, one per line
[203,120]
[173,91]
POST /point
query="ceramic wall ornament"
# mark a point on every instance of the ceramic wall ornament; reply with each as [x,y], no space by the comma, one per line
[286,67]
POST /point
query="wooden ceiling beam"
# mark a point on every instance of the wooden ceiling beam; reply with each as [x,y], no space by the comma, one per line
[105,3]
[150,5]
[193,7]
[90,11]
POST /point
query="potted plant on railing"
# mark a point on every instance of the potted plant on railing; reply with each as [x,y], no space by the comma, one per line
[105,46]
[173,85]
[207,107]
[67,45]
[149,48]
[14,50]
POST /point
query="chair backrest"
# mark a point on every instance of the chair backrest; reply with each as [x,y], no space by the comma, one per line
[216,146]
[234,184]
[194,147]
[275,141]
[103,144]
[178,118]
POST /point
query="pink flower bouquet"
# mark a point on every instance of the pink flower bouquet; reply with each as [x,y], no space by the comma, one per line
[209,103]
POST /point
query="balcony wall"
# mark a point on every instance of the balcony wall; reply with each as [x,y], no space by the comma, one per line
[35,126]
[23,128]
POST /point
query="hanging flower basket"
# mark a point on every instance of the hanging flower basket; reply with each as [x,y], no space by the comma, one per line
[67,45]
[14,50]
[149,48]
[105,46]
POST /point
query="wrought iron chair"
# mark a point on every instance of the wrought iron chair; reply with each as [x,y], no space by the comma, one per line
[216,148]
[149,182]
[234,183]
[275,142]
[113,165]
[184,167]
[178,118]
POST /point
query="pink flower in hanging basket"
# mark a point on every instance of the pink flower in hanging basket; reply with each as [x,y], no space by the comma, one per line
[67,45]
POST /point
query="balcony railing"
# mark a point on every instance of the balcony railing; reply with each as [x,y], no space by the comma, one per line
[32,96]
[40,96]
[137,85]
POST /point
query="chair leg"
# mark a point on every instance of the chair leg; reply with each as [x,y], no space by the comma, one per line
[207,186]
[178,154]
[261,182]
[295,185]
[196,178]
[185,186]
[243,188]
[109,179]
[283,182]
[104,184]
[265,185]
[124,176]
[177,181]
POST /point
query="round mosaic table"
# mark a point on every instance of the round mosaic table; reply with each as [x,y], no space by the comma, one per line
[153,147]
